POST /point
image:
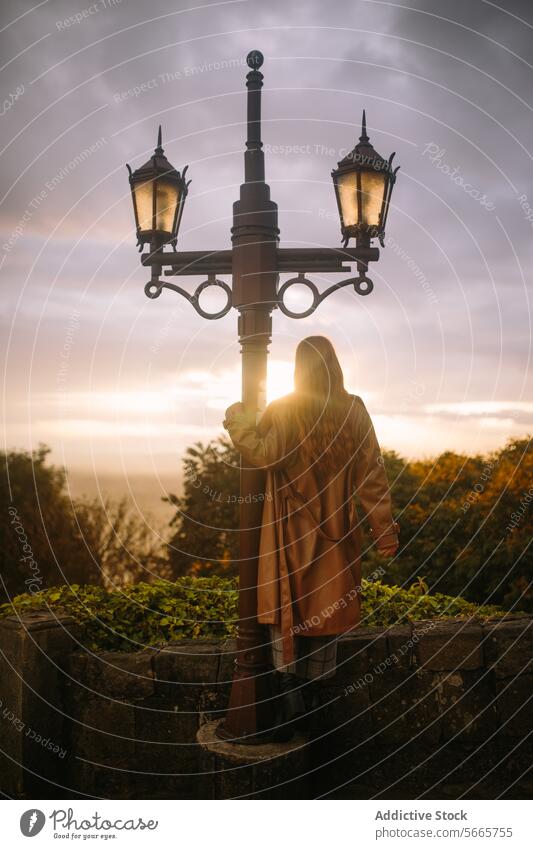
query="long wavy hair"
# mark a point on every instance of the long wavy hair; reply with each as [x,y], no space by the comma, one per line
[321,406]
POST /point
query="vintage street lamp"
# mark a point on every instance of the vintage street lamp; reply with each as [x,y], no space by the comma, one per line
[363,183]
[158,192]
[255,261]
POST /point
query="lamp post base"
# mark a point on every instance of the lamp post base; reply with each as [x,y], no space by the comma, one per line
[224,733]
[250,716]
[265,771]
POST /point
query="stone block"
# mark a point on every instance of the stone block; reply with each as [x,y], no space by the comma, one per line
[466,702]
[400,645]
[508,647]
[120,675]
[165,738]
[104,782]
[448,645]
[358,651]
[186,664]
[228,653]
[104,732]
[11,695]
[405,707]
[352,659]
[344,719]
[34,649]
[266,771]
[514,706]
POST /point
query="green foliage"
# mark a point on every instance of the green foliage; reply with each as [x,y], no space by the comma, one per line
[37,535]
[454,512]
[466,524]
[207,517]
[194,608]
[48,538]
[391,605]
[457,527]
[125,546]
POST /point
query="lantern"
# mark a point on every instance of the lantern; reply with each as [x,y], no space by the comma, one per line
[363,183]
[158,193]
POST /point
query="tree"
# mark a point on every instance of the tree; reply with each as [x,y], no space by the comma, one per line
[47,539]
[457,525]
[36,538]
[466,525]
[124,546]
[206,520]
[465,522]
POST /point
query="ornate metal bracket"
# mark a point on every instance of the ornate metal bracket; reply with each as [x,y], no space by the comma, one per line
[154,288]
[211,263]
[361,284]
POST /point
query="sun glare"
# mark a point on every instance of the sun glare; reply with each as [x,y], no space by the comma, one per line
[280,379]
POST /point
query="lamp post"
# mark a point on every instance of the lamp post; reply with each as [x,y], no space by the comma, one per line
[363,184]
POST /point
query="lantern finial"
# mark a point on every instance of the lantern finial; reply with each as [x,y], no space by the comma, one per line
[363,137]
[159,149]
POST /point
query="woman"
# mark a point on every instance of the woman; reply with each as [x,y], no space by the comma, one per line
[318,446]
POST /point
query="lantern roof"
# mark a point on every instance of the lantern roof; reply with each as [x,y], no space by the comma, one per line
[364,156]
[157,166]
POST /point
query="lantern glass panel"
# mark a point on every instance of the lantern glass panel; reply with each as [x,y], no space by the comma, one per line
[372,190]
[166,202]
[143,202]
[347,187]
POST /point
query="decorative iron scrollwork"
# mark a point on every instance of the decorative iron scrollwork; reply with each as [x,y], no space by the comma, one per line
[362,285]
[154,288]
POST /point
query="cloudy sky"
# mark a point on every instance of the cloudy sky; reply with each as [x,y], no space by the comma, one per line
[440,351]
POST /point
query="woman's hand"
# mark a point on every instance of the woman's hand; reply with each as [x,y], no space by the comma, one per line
[388,550]
[238,407]
[388,544]
[231,412]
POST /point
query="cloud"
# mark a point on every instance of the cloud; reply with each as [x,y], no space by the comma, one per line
[464,335]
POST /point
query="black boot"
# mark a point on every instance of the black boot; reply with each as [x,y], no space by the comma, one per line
[290,706]
[311,694]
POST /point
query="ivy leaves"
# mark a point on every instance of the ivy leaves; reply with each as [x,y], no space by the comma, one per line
[143,615]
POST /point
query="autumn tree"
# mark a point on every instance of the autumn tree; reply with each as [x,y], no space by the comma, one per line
[124,546]
[455,512]
[457,525]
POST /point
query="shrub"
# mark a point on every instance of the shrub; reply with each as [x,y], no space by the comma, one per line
[465,522]
[46,537]
[195,608]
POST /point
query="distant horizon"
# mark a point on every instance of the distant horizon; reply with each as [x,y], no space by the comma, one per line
[487,437]
[146,429]
[145,489]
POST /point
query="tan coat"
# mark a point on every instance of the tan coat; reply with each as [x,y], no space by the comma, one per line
[310,555]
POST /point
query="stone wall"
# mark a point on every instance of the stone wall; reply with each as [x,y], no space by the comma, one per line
[436,709]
